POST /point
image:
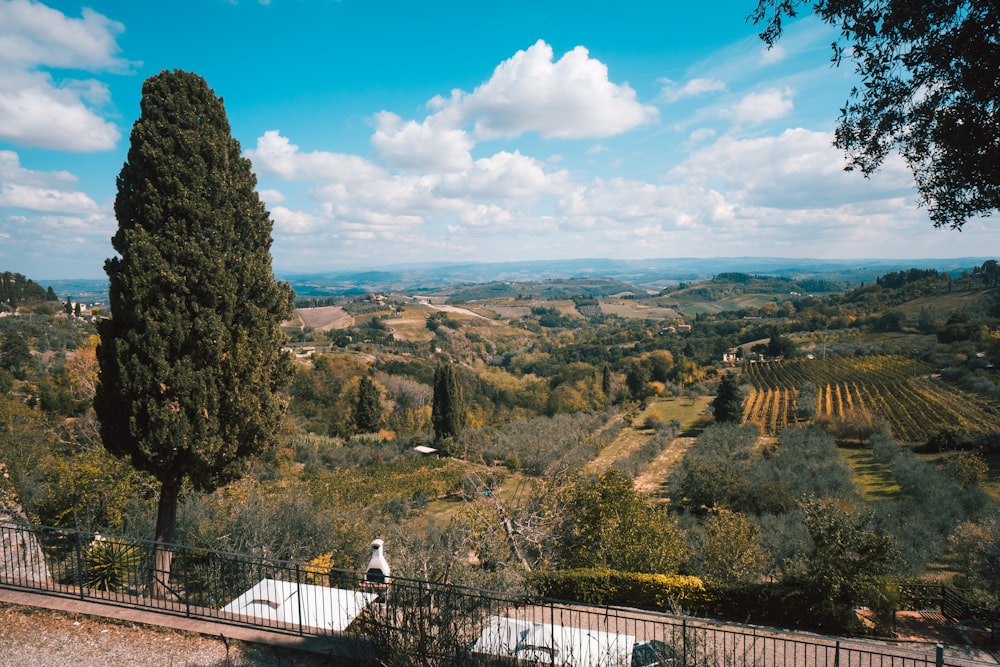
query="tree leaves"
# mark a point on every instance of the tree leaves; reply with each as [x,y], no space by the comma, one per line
[930,73]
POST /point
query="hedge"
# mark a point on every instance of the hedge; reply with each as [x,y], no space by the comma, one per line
[632,589]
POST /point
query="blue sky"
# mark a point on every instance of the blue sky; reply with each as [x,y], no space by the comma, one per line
[389,132]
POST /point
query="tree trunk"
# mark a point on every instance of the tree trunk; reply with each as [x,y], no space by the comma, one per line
[166,516]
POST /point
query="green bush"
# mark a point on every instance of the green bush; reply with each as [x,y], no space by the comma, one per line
[610,587]
[110,564]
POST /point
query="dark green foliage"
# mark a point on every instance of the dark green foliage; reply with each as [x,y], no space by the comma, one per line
[318,393]
[190,363]
[55,395]
[779,346]
[448,404]
[849,557]
[15,355]
[929,92]
[368,414]
[727,407]
[897,279]
[16,290]
[637,378]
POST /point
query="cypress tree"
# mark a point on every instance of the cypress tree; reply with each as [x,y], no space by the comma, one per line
[368,409]
[191,360]
[727,406]
[447,405]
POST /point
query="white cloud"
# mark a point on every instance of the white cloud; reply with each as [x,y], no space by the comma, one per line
[34,35]
[271,196]
[757,108]
[773,55]
[798,169]
[295,223]
[276,155]
[672,91]
[35,112]
[428,145]
[47,192]
[485,216]
[506,176]
[38,110]
[626,203]
[570,98]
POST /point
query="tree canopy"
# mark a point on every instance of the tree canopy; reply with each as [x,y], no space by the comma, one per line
[448,404]
[727,406]
[930,89]
[191,360]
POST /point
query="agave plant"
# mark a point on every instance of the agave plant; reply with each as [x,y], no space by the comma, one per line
[110,564]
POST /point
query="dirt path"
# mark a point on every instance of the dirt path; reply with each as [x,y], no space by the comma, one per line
[654,478]
[629,440]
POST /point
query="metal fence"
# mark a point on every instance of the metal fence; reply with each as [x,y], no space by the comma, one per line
[406,621]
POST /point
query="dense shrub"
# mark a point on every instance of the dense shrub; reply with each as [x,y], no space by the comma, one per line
[611,587]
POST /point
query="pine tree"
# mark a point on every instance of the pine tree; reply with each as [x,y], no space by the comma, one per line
[447,405]
[191,360]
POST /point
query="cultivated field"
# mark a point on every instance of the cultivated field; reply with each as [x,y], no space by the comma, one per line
[636,310]
[898,389]
[324,318]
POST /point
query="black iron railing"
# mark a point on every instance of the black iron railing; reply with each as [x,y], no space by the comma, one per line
[406,621]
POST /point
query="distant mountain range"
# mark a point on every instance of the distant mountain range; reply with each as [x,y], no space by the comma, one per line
[648,273]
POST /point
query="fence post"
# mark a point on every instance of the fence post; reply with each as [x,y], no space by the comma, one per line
[187,591]
[939,655]
[684,641]
[79,565]
[298,594]
[552,640]
[836,655]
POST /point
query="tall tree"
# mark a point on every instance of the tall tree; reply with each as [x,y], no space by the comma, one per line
[368,415]
[447,405]
[15,355]
[727,406]
[930,89]
[191,360]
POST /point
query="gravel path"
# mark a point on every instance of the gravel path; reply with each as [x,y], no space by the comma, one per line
[41,638]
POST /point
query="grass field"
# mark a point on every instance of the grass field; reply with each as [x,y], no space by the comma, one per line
[636,310]
[873,479]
